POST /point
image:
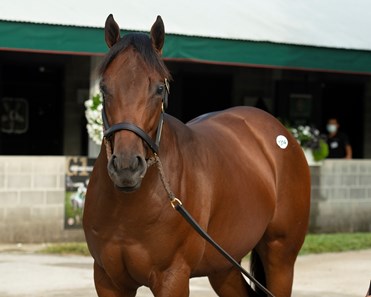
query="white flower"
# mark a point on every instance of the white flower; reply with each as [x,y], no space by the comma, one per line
[93,114]
[88,103]
[306,136]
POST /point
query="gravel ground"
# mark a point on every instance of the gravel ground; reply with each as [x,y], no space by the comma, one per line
[25,273]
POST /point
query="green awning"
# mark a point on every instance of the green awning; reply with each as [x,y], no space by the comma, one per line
[86,40]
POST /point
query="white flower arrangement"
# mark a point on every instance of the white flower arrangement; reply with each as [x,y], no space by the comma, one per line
[310,137]
[93,114]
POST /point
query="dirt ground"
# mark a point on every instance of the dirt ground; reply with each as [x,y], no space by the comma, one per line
[26,273]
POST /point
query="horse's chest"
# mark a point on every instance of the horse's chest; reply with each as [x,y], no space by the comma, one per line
[125,261]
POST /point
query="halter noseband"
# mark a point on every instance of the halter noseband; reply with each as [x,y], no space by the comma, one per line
[153,145]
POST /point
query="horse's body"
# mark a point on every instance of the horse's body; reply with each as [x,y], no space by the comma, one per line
[244,189]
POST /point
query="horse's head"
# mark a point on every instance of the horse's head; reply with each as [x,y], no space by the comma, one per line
[134,89]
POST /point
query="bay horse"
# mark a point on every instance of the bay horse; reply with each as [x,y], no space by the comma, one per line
[239,172]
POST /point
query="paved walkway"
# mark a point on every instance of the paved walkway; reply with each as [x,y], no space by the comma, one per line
[26,274]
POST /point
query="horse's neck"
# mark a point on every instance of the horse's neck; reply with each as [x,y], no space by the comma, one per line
[146,205]
[176,135]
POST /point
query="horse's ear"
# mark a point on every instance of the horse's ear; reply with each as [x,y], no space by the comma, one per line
[158,34]
[111,31]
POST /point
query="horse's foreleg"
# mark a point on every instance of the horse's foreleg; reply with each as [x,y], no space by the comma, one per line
[105,287]
[230,283]
[173,282]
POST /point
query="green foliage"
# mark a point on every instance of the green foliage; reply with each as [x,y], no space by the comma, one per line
[314,244]
[71,213]
[333,243]
[321,152]
[68,248]
[97,100]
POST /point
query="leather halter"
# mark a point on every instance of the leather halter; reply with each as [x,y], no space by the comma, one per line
[153,144]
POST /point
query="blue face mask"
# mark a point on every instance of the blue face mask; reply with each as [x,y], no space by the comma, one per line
[331,128]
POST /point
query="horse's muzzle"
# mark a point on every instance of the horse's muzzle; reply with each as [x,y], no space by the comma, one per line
[127,173]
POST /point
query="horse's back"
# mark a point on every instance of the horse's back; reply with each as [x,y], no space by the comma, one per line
[253,132]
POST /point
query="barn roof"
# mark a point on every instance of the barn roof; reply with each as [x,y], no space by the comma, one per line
[316,34]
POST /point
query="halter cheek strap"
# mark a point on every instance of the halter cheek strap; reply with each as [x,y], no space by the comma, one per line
[153,144]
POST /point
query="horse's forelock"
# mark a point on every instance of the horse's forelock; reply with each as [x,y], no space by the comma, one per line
[142,44]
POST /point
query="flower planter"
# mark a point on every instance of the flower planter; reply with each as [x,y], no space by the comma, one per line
[310,159]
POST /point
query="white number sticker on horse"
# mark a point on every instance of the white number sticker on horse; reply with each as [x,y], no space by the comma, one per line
[282,141]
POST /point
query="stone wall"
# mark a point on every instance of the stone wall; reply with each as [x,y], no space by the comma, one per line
[32,194]
[341,196]
[367,122]
[32,199]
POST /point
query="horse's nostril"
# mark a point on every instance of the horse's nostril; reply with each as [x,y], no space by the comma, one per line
[114,161]
[135,163]
[138,163]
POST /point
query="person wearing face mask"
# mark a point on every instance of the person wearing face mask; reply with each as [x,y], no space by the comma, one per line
[338,143]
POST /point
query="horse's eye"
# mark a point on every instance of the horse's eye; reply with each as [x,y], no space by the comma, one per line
[160,90]
[103,91]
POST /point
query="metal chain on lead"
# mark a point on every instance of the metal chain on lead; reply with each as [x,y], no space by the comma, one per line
[173,200]
[107,143]
[151,161]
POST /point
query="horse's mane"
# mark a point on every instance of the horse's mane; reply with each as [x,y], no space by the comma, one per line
[143,45]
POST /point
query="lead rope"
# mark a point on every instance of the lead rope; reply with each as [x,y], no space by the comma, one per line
[177,205]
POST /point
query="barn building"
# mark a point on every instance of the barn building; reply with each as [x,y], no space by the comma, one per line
[274,55]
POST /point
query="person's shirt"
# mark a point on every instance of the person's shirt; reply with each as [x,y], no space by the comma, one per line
[337,146]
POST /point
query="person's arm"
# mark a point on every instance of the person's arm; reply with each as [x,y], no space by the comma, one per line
[369,291]
[348,152]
